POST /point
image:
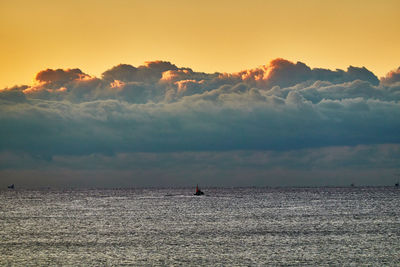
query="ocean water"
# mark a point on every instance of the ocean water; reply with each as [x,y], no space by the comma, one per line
[229,227]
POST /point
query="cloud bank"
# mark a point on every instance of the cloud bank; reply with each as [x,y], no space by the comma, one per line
[161,108]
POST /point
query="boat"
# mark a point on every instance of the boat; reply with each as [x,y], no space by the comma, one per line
[198,191]
[11,186]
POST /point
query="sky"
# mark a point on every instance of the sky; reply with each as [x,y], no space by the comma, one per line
[208,35]
[219,93]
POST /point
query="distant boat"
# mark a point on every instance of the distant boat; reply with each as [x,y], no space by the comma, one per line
[198,191]
[11,186]
[398,178]
[352,185]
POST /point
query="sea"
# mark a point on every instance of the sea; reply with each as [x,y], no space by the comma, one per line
[327,226]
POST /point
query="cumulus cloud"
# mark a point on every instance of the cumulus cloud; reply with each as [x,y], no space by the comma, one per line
[13,94]
[161,108]
[391,78]
[150,72]
[59,75]
[159,81]
[167,122]
[284,73]
[228,118]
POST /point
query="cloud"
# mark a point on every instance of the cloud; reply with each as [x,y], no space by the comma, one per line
[363,165]
[284,73]
[13,94]
[121,72]
[361,156]
[322,90]
[160,81]
[282,109]
[59,76]
[391,78]
[151,72]
[228,118]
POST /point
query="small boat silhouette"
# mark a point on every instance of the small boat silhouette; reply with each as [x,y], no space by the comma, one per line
[198,191]
[11,186]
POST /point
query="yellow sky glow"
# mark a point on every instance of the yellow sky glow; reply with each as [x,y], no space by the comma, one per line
[207,35]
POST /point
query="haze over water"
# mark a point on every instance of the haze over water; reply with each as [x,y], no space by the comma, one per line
[227,226]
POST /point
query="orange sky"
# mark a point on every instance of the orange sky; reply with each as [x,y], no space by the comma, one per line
[207,35]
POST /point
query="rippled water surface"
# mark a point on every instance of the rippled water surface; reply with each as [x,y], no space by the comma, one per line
[240,226]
